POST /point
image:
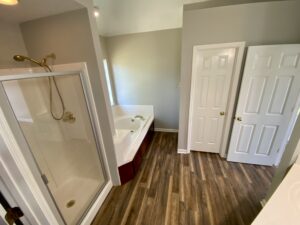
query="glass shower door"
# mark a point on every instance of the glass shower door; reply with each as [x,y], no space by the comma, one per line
[65,149]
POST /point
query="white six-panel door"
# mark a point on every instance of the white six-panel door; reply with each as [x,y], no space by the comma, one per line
[269,91]
[211,79]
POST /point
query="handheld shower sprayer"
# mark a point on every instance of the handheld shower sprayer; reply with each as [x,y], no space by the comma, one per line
[20,58]
[43,63]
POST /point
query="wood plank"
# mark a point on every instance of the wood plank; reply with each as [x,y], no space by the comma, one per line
[195,189]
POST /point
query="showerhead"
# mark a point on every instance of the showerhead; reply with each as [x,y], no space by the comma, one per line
[42,62]
[20,58]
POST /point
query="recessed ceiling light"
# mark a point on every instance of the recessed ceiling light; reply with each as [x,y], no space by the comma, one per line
[96,11]
[9,2]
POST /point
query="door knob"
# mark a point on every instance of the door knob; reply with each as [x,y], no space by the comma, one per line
[222,113]
[239,118]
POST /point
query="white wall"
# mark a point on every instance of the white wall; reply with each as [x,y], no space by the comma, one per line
[39,207]
[59,147]
[71,37]
[257,24]
[18,103]
[146,70]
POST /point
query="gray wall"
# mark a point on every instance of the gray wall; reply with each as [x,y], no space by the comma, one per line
[70,37]
[146,70]
[256,23]
[103,44]
[11,43]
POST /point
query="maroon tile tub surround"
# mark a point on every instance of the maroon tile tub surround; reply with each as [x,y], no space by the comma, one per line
[130,169]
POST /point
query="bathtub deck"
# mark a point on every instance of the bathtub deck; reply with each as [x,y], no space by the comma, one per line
[198,189]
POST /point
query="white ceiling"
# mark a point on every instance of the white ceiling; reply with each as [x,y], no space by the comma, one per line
[33,9]
[134,16]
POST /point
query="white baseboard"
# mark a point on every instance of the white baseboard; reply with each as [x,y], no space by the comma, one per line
[223,155]
[182,151]
[263,202]
[166,130]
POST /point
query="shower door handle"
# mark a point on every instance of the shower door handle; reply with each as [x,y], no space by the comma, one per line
[13,214]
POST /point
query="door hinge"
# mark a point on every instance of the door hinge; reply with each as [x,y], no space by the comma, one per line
[45,179]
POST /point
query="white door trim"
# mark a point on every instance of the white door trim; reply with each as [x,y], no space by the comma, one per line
[290,129]
[165,130]
[21,171]
[240,46]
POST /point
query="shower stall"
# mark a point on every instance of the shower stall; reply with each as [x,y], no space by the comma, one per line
[67,152]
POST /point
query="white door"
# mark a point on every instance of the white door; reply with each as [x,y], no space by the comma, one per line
[269,91]
[211,80]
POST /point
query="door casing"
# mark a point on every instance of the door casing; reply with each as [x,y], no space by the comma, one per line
[240,48]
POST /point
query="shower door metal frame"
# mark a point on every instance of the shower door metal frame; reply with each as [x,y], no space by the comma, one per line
[38,198]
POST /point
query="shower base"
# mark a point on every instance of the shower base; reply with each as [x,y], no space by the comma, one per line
[78,191]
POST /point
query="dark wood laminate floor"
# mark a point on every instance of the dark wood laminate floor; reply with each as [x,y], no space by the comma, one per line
[194,189]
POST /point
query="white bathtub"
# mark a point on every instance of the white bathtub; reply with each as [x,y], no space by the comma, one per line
[130,123]
[130,132]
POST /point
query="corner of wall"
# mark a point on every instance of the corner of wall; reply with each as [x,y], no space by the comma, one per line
[99,55]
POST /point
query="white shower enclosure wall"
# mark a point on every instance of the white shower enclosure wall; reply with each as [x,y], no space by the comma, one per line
[68,154]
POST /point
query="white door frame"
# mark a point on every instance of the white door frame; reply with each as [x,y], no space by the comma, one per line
[290,129]
[240,47]
[19,169]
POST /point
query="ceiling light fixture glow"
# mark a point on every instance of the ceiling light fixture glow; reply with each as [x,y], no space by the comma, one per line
[9,2]
[96,11]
